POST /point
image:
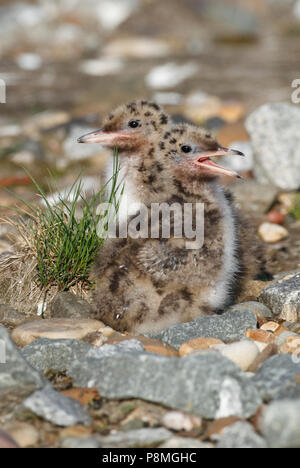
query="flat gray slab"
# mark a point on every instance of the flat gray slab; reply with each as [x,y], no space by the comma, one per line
[228,327]
[206,384]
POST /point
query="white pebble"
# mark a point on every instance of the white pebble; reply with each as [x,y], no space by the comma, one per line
[272,233]
[181,422]
[242,353]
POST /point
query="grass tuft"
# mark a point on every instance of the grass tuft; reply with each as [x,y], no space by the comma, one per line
[59,241]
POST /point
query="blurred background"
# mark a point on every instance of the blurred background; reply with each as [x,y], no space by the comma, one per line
[67,62]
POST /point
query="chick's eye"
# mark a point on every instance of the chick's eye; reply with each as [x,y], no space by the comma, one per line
[186,148]
[133,124]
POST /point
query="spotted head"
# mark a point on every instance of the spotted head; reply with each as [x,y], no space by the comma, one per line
[189,151]
[130,127]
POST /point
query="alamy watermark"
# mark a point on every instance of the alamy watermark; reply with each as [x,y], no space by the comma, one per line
[296,94]
[2,92]
[2,352]
[157,221]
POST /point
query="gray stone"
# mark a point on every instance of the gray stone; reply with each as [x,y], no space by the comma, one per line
[228,327]
[185,442]
[253,197]
[141,438]
[10,317]
[240,435]
[76,442]
[56,408]
[277,378]
[280,424]
[206,384]
[127,346]
[44,354]
[274,131]
[67,305]
[17,377]
[283,297]
[254,307]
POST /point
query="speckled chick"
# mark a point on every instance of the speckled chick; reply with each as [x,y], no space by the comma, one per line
[146,284]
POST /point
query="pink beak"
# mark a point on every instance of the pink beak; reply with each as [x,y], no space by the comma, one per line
[204,162]
[105,138]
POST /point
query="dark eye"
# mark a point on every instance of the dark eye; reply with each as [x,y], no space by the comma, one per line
[134,124]
[186,148]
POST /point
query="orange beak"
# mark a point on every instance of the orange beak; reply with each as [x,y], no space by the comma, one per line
[204,162]
[105,138]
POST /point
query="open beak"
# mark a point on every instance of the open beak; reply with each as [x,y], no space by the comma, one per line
[105,138]
[204,162]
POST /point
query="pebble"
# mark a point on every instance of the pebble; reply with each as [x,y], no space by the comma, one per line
[291,346]
[266,351]
[280,424]
[56,408]
[170,75]
[276,217]
[260,335]
[243,353]
[215,428]
[102,67]
[222,388]
[68,305]
[228,327]
[240,435]
[25,435]
[277,378]
[177,421]
[276,143]
[54,329]
[270,327]
[283,297]
[196,344]
[184,443]
[272,233]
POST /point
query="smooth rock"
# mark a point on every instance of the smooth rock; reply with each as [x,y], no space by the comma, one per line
[10,317]
[170,75]
[44,354]
[54,329]
[25,435]
[253,197]
[242,353]
[222,388]
[272,233]
[67,305]
[270,327]
[140,47]
[185,442]
[228,327]
[280,424]
[266,351]
[197,344]
[178,421]
[256,308]
[56,408]
[240,435]
[140,438]
[283,298]
[276,142]
[17,377]
[107,350]
[277,378]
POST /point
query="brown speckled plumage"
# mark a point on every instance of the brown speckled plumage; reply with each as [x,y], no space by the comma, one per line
[145,285]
